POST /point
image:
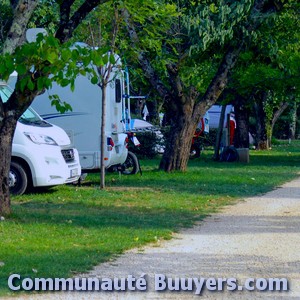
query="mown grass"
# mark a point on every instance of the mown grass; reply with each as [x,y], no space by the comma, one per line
[68,229]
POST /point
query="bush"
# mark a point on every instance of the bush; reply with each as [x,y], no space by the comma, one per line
[209,140]
[149,142]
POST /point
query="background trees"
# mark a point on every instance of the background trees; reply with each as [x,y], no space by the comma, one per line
[266,80]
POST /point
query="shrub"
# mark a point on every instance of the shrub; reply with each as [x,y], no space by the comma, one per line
[149,142]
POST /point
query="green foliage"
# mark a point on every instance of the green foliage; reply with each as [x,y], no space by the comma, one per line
[148,144]
[155,18]
[215,23]
[45,61]
[260,76]
[189,34]
[46,15]
[272,63]
[282,128]
[59,105]
[6,16]
[209,140]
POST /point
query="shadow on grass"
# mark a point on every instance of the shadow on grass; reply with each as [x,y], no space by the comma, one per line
[61,263]
[59,240]
[260,159]
[80,215]
[41,190]
[224,183]
[206,177]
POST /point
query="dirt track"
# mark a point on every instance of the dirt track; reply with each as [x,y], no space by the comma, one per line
[257,238]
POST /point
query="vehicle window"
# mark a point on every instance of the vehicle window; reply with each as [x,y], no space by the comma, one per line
[118,90]
[5,93]
[29,117]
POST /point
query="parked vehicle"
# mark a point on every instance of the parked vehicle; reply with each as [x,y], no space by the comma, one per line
[201,130]
[139,126]
[215,113]
[83,123]
[41,152]
[131,165]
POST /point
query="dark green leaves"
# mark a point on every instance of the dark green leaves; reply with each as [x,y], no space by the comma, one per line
[45,61]
[94,80]
[62,107]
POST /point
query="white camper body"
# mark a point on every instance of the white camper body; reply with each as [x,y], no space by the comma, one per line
[83,123]
[41,152]
[215,113]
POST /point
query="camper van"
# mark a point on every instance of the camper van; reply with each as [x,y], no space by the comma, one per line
[83,123]
[41,152]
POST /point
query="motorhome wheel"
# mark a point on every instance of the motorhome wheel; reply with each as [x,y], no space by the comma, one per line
[131,164]
[17,179]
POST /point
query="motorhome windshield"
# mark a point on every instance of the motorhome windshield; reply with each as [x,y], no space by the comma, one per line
[5,92]
[29,117]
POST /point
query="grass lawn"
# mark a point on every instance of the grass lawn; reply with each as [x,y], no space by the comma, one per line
[65,230]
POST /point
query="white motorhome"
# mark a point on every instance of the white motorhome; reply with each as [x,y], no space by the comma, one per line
[83,123]
[41,152]
[215,113]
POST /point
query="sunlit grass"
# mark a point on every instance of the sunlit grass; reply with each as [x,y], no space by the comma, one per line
[68,229]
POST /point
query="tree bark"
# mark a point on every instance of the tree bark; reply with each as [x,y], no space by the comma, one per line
[282,107]
[219,134]
[102,136]
[178,146]
[105,72]
[191,110]
[7,128]
[69,23]
[23,10]
[261,137]
[182,128]
[293,124]
[241,135]
[9,115]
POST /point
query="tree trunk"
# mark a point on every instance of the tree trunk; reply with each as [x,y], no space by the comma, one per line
[261,137]
[241,135]
[102,136]
[276,116]
[187,109]
[7,128]
[219,134]
[177,151]
[23,9]
[293,123]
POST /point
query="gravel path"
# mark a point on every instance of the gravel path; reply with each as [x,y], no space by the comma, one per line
[256,238]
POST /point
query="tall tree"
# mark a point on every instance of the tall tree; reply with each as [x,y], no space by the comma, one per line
[105,72]
[241,134]
[34,63]
[209,34]
[267,75]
